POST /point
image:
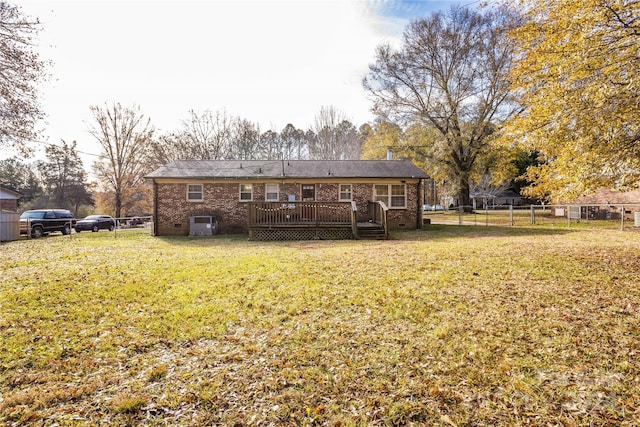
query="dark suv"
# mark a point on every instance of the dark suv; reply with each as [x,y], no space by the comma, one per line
[40,222]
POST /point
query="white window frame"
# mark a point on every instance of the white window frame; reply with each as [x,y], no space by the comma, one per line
[404,196]
[243,191]
[191,192]
[267,192]
[386,198]
[340,193]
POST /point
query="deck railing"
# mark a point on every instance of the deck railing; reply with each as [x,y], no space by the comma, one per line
[300,214]
[354,219]
[378,213]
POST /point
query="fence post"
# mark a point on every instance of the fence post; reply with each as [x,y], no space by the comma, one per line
[622,218]
[460,215]
[533,215]
[510,215]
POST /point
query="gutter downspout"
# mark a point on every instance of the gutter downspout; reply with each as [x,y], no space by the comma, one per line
[419,189]
[155,208]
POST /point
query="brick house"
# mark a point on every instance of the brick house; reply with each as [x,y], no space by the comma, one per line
[237,192]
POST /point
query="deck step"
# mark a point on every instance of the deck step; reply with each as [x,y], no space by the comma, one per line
[371,231]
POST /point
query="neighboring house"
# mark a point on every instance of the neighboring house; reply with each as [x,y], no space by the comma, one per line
[504,198]
[605,196]
[264,198]
[9,199]
[605,203]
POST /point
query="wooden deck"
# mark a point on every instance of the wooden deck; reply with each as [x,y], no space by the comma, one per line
[313,220]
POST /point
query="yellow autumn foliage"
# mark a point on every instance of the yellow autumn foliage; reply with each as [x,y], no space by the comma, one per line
[576,70]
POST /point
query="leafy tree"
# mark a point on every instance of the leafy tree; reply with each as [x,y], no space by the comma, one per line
[522,162]
[20,72]
[449,76]
[381,138]
[124,135]
[578,69]
[20,177]
[64,177]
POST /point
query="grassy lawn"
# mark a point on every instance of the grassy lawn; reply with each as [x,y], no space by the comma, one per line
[450,326]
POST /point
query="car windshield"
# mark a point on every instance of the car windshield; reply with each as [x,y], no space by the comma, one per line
[92,218]
[34,215]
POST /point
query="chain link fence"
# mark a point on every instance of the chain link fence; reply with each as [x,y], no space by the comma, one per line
[610,216]
[11,228]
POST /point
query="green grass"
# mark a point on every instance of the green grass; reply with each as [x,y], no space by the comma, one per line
[447,326]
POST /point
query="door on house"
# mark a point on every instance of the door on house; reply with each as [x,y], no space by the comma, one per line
[308,195]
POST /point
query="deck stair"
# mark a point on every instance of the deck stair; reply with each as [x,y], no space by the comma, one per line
[371,230]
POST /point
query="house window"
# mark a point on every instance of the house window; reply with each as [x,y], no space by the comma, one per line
[393,195]
[194,193]
[398,196]
[308,192]
[345,193]
[271,193]
[246,192]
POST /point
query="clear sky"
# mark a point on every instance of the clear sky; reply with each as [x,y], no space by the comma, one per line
[272,62]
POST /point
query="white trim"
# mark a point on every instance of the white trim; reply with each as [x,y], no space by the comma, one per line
[189,191]
[340,199]
[266,193]
[389,195]
[240,192]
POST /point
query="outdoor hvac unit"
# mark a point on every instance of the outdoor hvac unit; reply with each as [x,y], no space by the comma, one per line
[203,226]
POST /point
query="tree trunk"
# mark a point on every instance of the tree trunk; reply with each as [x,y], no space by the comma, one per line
[118,202]
[464,190]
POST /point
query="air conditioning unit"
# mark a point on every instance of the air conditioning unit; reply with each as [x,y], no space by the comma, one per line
[203,226]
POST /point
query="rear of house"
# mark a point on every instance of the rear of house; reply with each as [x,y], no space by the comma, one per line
[227,190]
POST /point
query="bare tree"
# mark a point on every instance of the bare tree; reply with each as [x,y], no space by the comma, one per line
[124,135]
[270,146]
[20,71]
[294,143]
[245,140]
[164,149]
[449,75]
[336,138]
[207,135]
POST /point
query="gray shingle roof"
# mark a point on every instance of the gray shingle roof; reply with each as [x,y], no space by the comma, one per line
[261,169]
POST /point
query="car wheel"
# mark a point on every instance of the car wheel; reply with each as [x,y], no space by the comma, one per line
[111,227]
[36,232]
[94,228]
[78,230]
[66,230]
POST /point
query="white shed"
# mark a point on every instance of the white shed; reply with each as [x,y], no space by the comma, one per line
[9,226]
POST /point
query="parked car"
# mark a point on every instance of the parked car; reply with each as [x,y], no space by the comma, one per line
[135,222]
[432,208]
[95,223]
[40,222]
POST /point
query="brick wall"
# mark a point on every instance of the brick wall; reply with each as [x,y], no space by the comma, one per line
[222,201]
